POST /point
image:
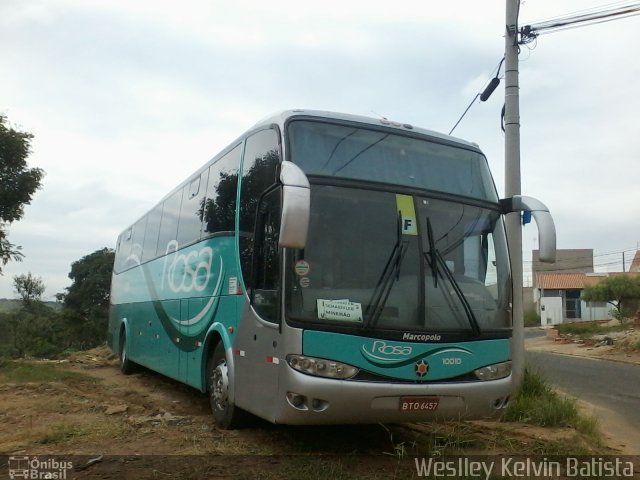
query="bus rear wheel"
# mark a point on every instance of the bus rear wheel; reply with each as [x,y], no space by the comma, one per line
[126,366]
[226,414]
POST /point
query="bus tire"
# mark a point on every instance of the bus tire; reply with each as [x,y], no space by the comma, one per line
[226,414]
[126,366]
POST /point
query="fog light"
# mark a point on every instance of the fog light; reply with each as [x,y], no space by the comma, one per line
[296,400]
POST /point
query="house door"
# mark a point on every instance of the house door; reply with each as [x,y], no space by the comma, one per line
[551,310]
[573,304]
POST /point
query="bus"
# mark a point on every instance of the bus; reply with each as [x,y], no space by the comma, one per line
[327,268]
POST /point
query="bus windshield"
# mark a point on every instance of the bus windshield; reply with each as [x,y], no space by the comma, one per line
[389,261]
[334,150]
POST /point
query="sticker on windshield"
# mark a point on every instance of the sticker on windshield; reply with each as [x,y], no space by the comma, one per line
[408,213]
[302,268]
[305,282]
[339,310]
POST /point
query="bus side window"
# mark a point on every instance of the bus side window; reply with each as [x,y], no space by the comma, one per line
[261,159]
[190,212]
[135,256]
[151,233]
[169,224]
[219,209]
[123,249]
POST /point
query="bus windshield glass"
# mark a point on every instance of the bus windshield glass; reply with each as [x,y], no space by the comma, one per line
[389,261]
[334,150]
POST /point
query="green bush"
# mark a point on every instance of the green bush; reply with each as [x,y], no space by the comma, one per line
[531,318]
[538,404]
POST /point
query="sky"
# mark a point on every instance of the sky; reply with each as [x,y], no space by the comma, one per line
[126,99]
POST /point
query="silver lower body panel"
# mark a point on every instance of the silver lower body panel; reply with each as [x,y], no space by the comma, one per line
[329,401]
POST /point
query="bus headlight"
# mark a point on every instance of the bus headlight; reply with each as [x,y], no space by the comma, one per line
[494,372]
[321,367]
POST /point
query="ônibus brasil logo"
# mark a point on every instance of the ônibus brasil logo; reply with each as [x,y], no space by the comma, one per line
[38,469]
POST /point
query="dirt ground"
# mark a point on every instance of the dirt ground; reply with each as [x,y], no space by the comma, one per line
[578,348]
[148,426]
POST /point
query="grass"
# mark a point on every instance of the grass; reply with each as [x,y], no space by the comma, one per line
[538,404]
[34,372]
[313,469]
[42,434]
[60,433]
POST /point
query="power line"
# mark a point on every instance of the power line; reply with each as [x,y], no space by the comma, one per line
[487,90]
[530,33]
[592,16]
[587,10]
[589,257]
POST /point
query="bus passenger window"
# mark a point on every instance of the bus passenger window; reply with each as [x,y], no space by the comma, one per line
[219,213]
[135,255]
[151,233]
[190,213]
[169,223]
[123,249]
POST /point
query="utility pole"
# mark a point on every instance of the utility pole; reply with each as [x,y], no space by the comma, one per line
[512,183]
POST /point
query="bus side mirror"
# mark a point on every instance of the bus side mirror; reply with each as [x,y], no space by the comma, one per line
[296,200]
[544,221]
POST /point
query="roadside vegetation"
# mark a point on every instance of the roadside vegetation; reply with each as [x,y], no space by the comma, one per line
[531,318]
[537,403]
[621,292]
[32,328]
[587,330]
[623,336]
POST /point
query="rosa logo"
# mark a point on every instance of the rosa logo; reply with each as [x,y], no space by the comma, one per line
[381,351]
[189,271]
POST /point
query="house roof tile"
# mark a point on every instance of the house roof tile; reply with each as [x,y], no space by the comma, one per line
[564,281]
[572,281]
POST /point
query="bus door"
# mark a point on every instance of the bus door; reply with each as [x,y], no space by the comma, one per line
[260,333]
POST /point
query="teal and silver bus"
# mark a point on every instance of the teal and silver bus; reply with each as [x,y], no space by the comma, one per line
[327,268]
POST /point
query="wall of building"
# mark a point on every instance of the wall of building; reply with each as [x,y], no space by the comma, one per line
[578,260]
[596,311]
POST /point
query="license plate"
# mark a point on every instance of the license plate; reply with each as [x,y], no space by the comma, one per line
[418,404]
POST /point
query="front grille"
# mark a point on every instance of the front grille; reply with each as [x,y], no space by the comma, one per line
[365,376]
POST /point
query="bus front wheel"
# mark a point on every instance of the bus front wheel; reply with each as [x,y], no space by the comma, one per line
[226,414]
[126,366]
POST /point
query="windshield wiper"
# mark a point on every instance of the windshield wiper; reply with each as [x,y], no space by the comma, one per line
[385,282]
[439,266]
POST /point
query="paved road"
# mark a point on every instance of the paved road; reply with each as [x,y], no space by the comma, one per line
[534,332]
[611,387]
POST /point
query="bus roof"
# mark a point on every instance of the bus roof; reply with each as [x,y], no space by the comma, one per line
[280,118]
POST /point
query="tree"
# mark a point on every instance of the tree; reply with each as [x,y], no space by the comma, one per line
[17,184]
[90,291]
[28,287]
[33,330]
[620,291]
[85,311]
